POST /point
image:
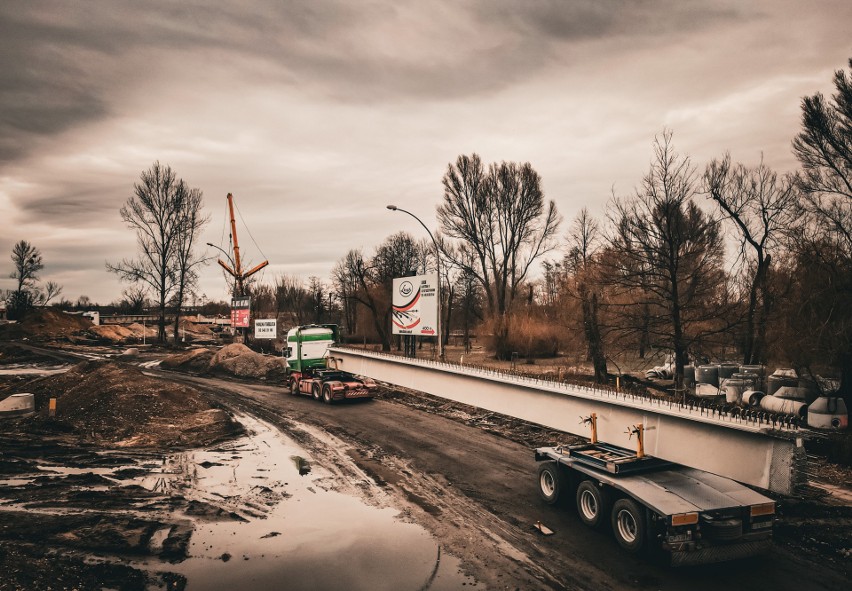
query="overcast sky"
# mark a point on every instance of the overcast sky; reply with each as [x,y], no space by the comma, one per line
[316,114]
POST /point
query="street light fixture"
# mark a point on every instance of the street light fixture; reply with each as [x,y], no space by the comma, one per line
[438,264]
[223,251]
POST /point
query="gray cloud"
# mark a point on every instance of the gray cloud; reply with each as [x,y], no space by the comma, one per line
[316,114]
[63,60]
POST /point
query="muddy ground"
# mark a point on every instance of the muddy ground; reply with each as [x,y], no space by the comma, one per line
[464,474]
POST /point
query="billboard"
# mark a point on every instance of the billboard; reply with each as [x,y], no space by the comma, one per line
[266,328]
[415,305]
[240,311]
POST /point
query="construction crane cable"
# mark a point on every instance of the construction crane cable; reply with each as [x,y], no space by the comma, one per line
[249,233]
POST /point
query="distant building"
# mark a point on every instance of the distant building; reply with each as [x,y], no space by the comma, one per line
[94,315]
[2,309]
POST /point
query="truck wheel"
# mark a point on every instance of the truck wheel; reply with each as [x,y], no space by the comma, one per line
[552,482]
[316,391]
[326,394]
[592,504]
[294,386]
[628,525]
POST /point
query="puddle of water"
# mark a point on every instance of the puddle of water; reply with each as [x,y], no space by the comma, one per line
[268,515]
[297,535]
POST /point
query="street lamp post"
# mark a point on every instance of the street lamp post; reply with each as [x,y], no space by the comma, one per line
[230,260]
[438,264]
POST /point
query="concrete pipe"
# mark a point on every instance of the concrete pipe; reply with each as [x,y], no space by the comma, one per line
[17,405]
[784,406]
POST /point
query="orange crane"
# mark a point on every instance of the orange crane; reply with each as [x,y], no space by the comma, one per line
[237,272]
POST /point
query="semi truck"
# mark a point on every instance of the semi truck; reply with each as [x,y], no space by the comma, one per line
[689,515]
[312,372]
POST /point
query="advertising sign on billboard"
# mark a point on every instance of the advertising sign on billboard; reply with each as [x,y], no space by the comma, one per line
[265,329]
[240,312]
[415,305]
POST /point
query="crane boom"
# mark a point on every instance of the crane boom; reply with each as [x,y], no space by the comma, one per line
[237,272]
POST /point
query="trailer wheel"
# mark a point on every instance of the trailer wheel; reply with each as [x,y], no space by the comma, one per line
[315,391]
[628,525]
[552,482]
[294,386]
[592,504]
[326,394]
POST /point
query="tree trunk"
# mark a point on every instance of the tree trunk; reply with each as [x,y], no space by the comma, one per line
[845,390]
[502,348]
[593,333]
[448,317]
[645,331]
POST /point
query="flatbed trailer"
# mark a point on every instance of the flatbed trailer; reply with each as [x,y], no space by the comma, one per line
[693,516]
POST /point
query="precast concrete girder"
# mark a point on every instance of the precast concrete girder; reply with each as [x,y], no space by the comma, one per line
[744,450]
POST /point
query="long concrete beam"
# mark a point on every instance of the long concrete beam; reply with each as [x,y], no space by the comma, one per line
[744,450]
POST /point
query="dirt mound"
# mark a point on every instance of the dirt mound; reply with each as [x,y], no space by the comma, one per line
[240,361]
[135,332]
[194,361]
[46,324]
[116,333]
[106,402]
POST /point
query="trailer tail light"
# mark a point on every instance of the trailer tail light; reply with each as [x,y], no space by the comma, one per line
[764,509]
[685,519]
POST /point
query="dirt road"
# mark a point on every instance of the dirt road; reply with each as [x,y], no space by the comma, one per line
[476,493]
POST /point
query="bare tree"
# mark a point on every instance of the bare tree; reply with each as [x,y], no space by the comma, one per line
[187,260]
[667,254]
[291,299]
[822,238]
[155,213]
[346,285]
[27,262]
[760,206]
[133,300]
[503,219]
[359,272]
[50,291]
[398,256]
[584,240]
[469,298]
[316,297]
